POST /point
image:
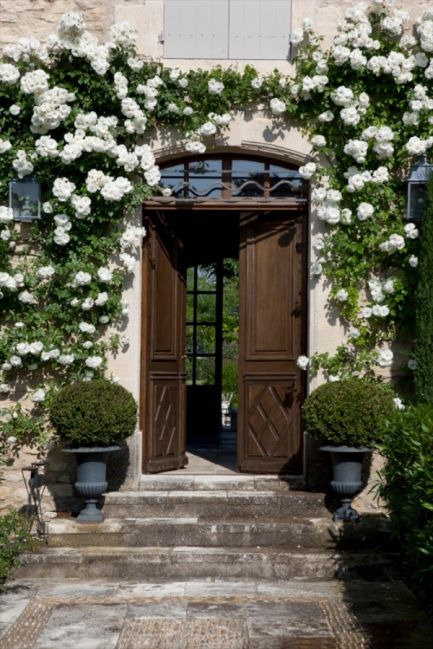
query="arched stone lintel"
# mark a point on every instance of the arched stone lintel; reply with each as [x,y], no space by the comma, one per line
[277,152]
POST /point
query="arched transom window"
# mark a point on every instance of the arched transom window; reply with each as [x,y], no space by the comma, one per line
[232,178]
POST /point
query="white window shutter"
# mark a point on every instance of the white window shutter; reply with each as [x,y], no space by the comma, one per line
[196,29]
[259,29]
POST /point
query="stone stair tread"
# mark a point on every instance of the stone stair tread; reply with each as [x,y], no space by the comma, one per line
[211,494]
[197,550]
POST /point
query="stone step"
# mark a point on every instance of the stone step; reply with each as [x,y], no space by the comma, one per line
[182,562]
[235,482]
[216,504]
[372,532]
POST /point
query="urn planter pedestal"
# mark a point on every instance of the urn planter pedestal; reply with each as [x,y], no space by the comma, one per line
[347,464]
[91,478]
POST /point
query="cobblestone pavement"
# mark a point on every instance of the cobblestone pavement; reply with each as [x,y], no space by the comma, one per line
[210,614]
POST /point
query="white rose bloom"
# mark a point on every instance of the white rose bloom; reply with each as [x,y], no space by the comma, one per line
[416,146]
[413,261]
[5,388]
[87,328]
[63,189]
[194,146]
[105,274]
[412,364]
[95,180]
[82,205]
[388,285]
[174,74]
[364,211]
[6,214]
[5,235]
[327,116]
[14,109]
[215,87]
[398,403]
[66,359]
[257,83]
[22,349]
[318,195]
[308,170]
[132,237]
[297,36]
[19,325]
[61,237]
[411,231]
[353,333]
[45,272]
[50,354]
[342,295]
[385,358]
[152,176]
[22,164]
[104,319]
[38,396]
[15,361]
[5,146]
[318,141]
[46,147]
[278,107]
[27,298]
[380,310]
[87,304]
[340,54]
[115,190]
[207,129]
[333,195]
[346,216]
[93,362]
[357,149]
[350,116]
[128,262]
[9,73]
[342,96]
[88,344]
[34,82]
[74,302]
[82,278]
[101,299]
[303,362]
[380,175]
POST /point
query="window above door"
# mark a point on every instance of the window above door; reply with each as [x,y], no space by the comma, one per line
[227,29]
[232,178]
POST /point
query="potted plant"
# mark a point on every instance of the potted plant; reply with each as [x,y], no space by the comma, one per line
[347,418]
[94,416]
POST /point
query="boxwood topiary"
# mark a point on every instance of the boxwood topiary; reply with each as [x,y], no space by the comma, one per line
[351,412]
[93,413]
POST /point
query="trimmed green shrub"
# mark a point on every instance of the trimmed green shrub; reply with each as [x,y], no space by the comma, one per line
[15,537]
[424,306]
[351,412]
[93,413]
[407,487]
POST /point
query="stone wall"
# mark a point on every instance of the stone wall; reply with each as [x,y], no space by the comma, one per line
[247,133]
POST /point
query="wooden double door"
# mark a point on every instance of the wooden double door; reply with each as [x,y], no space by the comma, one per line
[272,330]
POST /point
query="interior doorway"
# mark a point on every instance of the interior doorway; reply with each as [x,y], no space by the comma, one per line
[195,356]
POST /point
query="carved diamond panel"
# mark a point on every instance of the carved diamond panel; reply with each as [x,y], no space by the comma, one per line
[268,419]
[165,420]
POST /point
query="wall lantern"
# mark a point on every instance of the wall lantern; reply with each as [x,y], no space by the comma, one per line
[417,188]
[25,199]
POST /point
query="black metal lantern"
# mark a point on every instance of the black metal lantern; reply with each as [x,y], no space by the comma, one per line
[25,199]
[417,188]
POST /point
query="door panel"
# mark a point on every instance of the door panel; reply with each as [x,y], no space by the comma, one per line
[164,379]
[272,308]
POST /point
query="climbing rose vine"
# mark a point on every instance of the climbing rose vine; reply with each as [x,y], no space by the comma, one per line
[80,116]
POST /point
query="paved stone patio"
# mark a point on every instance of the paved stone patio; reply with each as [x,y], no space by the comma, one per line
[209,614]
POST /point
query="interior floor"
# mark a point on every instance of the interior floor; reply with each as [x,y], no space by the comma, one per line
[208,461]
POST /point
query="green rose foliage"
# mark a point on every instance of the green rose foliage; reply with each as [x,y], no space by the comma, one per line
[93,413]
[15,537]
[352,412]
[407,487]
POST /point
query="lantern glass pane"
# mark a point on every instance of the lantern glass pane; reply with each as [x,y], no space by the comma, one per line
[417,200]
[25,200]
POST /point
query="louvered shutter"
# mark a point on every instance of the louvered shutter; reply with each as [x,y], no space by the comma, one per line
[196,29]
[259,29]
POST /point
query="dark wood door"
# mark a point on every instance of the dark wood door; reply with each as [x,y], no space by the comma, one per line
[163,349]
[272,326]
